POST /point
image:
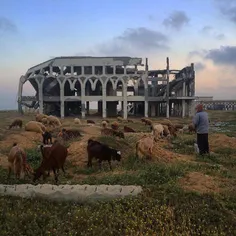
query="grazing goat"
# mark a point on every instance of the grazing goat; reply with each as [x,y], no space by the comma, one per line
[128,129]
[173,130]
[47,137]
[17,162]
[77,121]
[15,123]
[67,134]
[130,121]
[54,161]
[115,125]
[101,152]
[90,122]
[178,126]
[104,124]
[158,131]
[111,132]
[145,143]
[191,128]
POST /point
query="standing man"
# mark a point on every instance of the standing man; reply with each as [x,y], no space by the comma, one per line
[201,123]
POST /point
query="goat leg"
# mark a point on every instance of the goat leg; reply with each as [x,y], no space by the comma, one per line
[63,170]
[100,164]
[110,165]
[9,172]
[55,174]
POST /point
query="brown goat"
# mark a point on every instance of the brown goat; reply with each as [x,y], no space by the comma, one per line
[191,128]
[15,123]
[111,132]
[130,121]
[115,125]
[90,122]
[179,126]
[17,161]
[128,129]
[67,134]
[54,161]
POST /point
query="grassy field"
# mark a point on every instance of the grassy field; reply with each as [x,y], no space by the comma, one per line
[184,194]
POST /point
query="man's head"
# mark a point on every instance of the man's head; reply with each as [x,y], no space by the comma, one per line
[199,107]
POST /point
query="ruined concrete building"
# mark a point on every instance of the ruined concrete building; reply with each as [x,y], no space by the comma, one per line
[65,85]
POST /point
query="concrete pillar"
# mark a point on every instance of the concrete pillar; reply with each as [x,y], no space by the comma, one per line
[125,104]
[183,108]
[104,102]
[83,101]
[40,83]
[62,108]
[62,100]
[87,108]
[184,89]
[20,90]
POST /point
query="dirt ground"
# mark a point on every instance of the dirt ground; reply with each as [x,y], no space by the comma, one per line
[202,183]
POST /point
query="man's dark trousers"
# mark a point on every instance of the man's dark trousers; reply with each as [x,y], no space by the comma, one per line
[203,144]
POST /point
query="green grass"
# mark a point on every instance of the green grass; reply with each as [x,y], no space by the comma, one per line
[163,208]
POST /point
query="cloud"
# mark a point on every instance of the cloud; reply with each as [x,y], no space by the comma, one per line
[199,66]
[196,53]
[206,29]
[176,20]
[7,25]
[227,8]
[225,55]
[209,30]
[220,36]
[133,41]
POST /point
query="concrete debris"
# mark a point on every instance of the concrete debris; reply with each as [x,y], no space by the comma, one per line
[76,193]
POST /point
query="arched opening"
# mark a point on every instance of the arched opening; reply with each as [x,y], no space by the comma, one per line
[30,88]
[109,89]
[30,96]
[88,88]
[119,93]
[73,107]
[141,87]
[51,87]
[78,88]
[67,89]
[94,88]
[51,96]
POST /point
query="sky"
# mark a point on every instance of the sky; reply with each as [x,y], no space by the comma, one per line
[186,31]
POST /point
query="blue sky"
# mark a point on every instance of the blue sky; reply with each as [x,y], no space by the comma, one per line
[34,31]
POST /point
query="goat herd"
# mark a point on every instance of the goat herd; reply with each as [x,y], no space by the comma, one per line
[55,153]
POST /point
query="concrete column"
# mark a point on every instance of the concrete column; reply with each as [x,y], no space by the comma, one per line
[40,83]
[183,108]
[83,101]
[125,104]
[184,89]
[72,70]
[50,70]
[20,90]
[87,107]
[104,102]
[62,100]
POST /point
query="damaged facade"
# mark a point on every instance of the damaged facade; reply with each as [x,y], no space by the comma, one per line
[65,85]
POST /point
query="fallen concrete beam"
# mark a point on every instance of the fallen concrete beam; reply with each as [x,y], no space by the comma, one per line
[76,193]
